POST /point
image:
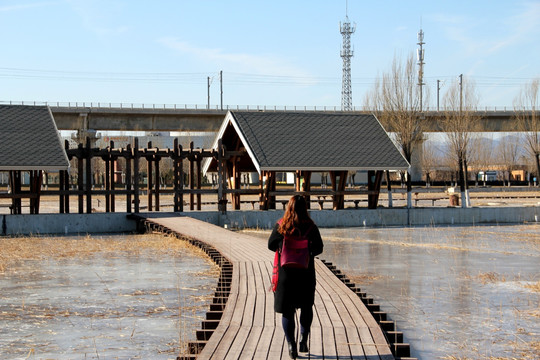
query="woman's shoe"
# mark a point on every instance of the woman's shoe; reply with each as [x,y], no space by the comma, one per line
[292,351]
[303,343]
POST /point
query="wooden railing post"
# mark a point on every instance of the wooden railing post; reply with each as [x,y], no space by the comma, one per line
[80,177]
[136,158]
[149,178]
[199,180]
[113,180]
[128,178]
[157,182]
[191,177]
[178,177]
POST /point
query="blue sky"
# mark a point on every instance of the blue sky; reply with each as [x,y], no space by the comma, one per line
[272,53]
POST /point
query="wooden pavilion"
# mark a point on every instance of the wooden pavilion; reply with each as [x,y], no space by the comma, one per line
[304,143]
[29,142]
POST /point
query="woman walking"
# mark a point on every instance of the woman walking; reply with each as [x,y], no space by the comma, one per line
[296,283]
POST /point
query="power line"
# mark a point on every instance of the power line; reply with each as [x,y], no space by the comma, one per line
[233,78]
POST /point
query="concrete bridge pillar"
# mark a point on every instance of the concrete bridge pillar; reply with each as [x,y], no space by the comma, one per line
[416,161]
[84,132]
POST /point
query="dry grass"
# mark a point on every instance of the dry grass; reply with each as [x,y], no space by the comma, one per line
[534,287]
[24,253]
[490,277]
[20,249]
[366,279]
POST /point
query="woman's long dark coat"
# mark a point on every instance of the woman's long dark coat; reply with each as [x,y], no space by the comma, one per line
[296,287]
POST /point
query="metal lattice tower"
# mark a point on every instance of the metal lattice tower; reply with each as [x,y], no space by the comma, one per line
[346,54]
[420,58]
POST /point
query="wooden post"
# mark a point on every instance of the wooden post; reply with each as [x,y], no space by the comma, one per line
[65,173]
[149,178]
[191,178]
[261,191]
[113,180]
[107,182]
[80,178]
[181,165]
[32,190]
[128,178]
[61,187]
[178,177]
[235,179]
[334,187]
[222,198]
[199,180]
[66,207]
[374,187]
[36,178]
[339,179]
[157,182]
[88,156]
[136,158]
[15,184]
[389,188]
[307,187]
[270,186]
[342,183]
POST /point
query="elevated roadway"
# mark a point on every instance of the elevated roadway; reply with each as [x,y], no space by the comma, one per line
[203,120]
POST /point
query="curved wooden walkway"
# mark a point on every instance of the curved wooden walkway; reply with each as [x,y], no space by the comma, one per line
[241,324]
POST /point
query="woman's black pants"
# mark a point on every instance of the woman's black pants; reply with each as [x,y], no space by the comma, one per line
[288,322]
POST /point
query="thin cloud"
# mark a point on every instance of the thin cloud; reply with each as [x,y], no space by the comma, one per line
[9,8]
[240,61]
[96,20]
[523,27]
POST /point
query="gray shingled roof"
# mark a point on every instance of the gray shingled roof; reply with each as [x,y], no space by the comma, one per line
[287,141]
[29,139]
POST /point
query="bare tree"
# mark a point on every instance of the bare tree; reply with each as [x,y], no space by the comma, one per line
[481,156]
[395,100]
[508,153]
[429,161]
[526,115]
[459,124]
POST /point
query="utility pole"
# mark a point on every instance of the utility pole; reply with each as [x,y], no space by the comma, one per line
[438,90]
[208,86]
[221,87]
[460,94]
[420,58]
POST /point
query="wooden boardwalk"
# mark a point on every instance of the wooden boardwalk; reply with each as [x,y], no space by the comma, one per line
[241,323]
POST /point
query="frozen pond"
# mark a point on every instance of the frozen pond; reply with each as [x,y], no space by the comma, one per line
[455,292]
[121,297]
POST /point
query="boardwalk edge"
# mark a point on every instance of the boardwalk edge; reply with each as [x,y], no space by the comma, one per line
[400,350]
[221,295]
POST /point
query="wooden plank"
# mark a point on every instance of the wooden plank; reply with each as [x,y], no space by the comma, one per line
[218,337]
[246,333]
[350,319]
[359,311]
[249,328]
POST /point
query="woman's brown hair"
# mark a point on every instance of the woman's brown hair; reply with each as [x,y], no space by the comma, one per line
[295,214]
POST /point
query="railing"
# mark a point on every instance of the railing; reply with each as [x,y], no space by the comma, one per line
[142,106]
